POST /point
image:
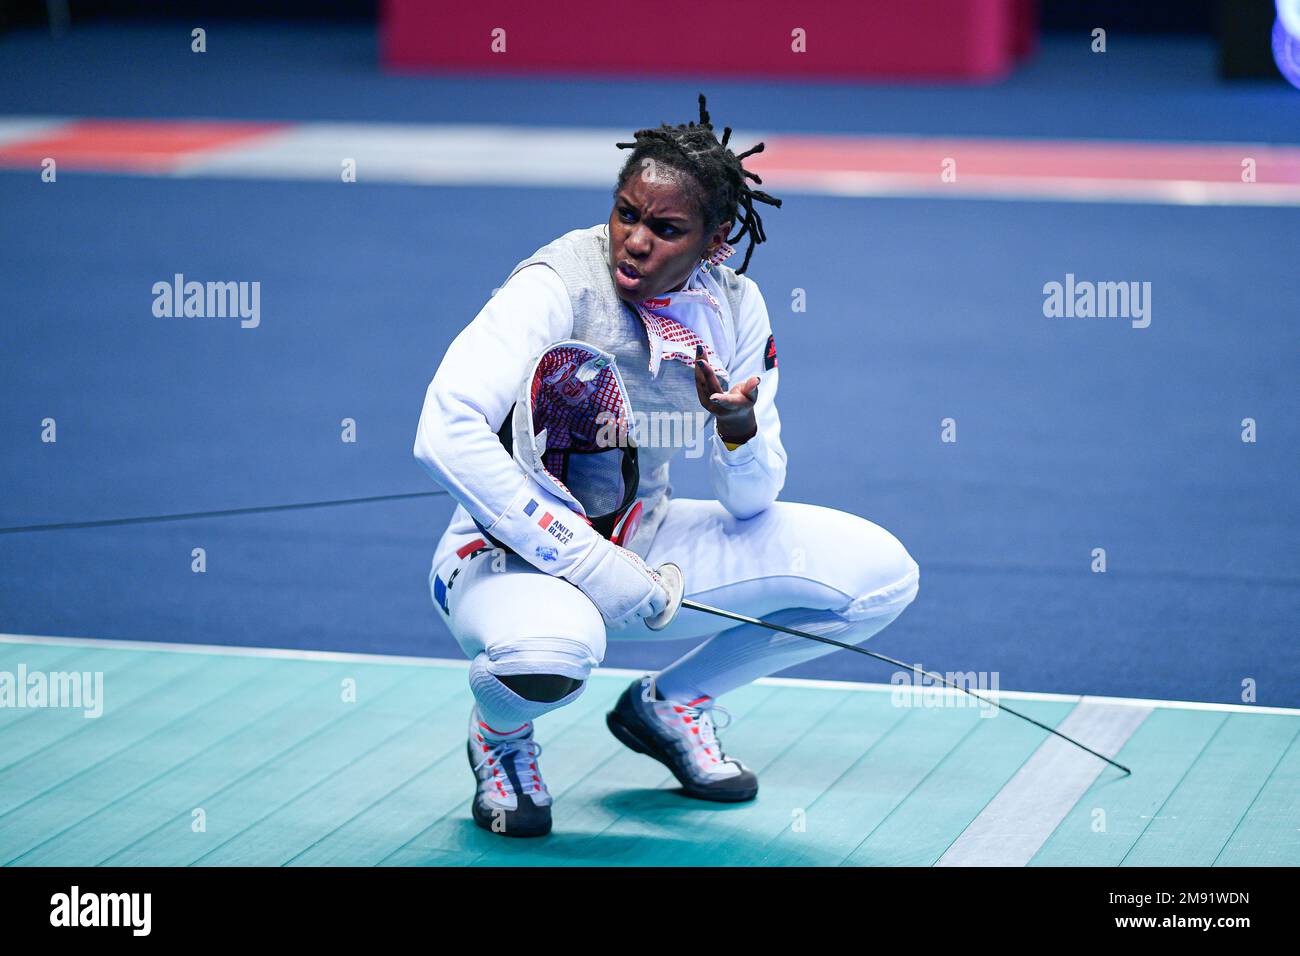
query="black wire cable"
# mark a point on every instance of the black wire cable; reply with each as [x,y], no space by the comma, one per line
[696,606]
[693,605]
[225,513]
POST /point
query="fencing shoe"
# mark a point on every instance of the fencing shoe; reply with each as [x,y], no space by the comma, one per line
[680,735]
[512,799]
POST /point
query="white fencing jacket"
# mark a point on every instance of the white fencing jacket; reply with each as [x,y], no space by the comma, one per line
[565,291]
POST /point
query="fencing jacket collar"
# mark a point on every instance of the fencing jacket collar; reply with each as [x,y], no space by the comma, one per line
[677,322]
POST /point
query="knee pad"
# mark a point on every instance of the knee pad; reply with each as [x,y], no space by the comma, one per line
[884,602]
[564,656]
[544,688]
[501,706]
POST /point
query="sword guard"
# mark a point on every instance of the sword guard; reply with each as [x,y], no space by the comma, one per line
[674,582]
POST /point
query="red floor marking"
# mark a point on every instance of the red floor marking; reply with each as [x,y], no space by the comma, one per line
[139,145]
[792,156]
[841,164]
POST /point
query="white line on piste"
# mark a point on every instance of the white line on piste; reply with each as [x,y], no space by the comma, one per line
[1031,805]
[283,653]
[484,154]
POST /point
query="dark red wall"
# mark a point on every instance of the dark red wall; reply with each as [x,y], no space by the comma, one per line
[846,39]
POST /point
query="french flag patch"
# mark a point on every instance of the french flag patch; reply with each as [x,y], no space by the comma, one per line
[545,520]
[530,507]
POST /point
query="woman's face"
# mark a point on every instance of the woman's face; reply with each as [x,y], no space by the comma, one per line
[656,236]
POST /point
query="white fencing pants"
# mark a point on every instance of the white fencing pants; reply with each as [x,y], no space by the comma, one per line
[805,566]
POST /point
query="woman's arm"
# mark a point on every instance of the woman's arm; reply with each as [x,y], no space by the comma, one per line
[748,478]
[464,406]
[476,384]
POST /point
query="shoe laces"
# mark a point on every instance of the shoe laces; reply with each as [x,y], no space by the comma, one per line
[525,749]
[699,719]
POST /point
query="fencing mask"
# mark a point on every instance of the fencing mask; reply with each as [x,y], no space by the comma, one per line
[572,429]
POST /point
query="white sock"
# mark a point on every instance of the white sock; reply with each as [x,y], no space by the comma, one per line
[506,714]
[493,733]
[740,655]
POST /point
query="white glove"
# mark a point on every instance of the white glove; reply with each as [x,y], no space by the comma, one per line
[541,529]
[619,583]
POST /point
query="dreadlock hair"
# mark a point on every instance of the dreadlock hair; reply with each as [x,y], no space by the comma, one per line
[722,194]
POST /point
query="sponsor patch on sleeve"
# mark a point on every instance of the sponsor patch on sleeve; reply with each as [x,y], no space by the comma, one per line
[769,354]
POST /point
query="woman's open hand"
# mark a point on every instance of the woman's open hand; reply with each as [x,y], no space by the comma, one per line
[734,408]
